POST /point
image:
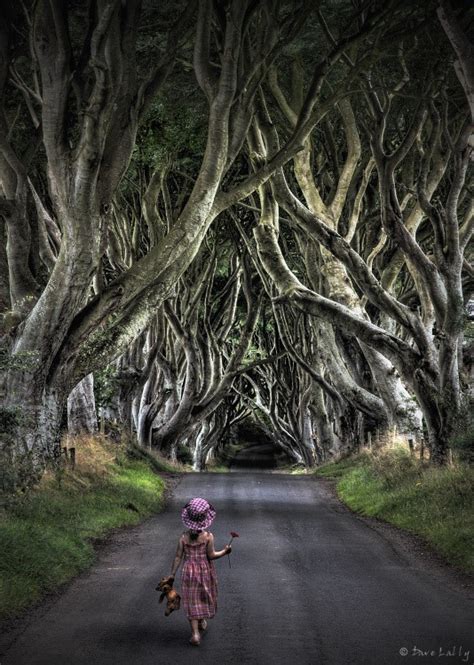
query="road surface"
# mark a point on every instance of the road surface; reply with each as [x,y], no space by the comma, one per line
[310,584]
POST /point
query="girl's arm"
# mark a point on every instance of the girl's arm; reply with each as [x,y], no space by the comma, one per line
[177,558]
[211,552]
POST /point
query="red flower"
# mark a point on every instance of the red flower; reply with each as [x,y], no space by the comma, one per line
[233,534]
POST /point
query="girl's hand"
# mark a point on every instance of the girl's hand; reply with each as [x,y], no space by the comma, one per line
[228,549]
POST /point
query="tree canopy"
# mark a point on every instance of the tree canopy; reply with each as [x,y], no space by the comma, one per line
[232,209]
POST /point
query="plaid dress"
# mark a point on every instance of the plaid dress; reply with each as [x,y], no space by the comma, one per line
[198,583]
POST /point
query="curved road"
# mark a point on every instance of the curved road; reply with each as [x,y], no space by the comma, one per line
[310,584]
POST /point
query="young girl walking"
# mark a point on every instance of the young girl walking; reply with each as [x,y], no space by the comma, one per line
[198,574]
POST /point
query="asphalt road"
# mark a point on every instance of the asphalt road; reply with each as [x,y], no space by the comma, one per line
[309,584]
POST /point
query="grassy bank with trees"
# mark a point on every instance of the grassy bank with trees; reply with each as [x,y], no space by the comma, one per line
[434,503]
[47,533]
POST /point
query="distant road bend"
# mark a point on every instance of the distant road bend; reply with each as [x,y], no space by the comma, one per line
[310,584]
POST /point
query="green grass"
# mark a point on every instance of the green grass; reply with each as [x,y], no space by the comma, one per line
[45,536]
[339,469]
[434,503]
[291,469]
[157,461]
[217,468]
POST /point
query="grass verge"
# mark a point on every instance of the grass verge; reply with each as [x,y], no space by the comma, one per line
[46,535]
[291,468]
[157,462]
[434,503]
[217,468]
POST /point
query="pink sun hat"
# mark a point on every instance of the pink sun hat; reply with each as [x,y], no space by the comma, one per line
[198,514]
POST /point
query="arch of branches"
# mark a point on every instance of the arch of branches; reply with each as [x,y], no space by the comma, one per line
[223,210]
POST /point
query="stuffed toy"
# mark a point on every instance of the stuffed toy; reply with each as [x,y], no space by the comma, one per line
[173,599]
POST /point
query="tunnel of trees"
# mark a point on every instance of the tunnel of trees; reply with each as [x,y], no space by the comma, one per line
[225,211]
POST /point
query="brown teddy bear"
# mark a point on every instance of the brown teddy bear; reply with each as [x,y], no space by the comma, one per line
[173,599]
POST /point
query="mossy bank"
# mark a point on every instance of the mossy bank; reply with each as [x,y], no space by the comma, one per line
[434,503]
[47,534]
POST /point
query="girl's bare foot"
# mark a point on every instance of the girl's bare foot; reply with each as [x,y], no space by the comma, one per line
[195,640]
[203,624]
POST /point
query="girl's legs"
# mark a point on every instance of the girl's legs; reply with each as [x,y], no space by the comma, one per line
[202,624]
[195,637]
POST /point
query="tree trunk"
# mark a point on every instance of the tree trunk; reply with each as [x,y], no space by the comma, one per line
[404,412]
[199,451]
[325,443]
[441,414]
[81,410]
[31,433]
